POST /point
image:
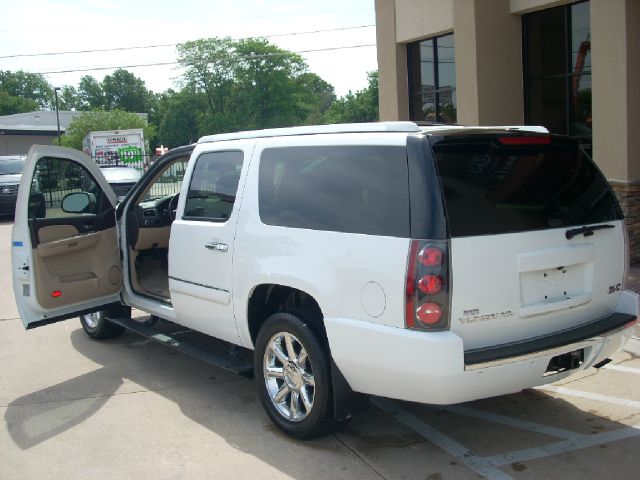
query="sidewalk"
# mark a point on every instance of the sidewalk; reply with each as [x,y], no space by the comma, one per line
[633,283]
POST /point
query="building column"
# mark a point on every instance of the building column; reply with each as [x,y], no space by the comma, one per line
[488,42]
[615,43]
[392,65]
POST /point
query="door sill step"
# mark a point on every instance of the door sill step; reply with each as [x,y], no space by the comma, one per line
[228,360]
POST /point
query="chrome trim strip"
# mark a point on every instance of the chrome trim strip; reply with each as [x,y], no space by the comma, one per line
[210,287]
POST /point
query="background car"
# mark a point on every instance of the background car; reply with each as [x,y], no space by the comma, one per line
[10,174]
[121,179]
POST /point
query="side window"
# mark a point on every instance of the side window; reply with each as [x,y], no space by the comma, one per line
[213,187]
[57,180]
[168,183]
[352,189]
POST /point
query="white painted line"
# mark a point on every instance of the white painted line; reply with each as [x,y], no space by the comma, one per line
[512,422]
[622,368]
[565,446]
[592,396]
[462,454]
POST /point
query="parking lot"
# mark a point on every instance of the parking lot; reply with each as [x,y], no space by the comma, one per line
[129,408]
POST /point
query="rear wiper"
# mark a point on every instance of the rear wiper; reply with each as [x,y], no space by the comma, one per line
[587,230]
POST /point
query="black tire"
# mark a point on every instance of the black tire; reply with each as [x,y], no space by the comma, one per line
[98,327]
[315,420]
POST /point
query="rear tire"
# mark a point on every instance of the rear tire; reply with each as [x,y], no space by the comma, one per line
[98,327]
[293,377]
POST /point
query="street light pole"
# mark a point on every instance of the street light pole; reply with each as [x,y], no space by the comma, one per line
[57,113]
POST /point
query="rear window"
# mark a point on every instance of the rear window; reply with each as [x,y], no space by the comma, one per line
[353,189]
[490,188]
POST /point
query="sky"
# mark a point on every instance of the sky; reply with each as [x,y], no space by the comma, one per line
[52,26]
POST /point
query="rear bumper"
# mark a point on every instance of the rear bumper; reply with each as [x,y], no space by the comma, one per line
[434,368]
[508,353]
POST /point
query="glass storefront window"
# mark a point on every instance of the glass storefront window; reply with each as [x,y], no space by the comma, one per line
[557,52]
[432,80]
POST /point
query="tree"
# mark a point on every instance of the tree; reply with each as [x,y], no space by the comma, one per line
[10,104]
[209,68]
[122,90]
[316,97]
[96,121]
[251,84]
[359,107]
[68,98]
[266,88]
[90,94]
[180,115]
[22,89]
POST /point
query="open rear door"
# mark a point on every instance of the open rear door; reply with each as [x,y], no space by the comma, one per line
[64,249]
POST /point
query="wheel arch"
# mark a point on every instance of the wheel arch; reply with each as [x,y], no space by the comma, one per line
[269,298]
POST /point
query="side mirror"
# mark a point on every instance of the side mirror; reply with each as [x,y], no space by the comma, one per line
[78,202]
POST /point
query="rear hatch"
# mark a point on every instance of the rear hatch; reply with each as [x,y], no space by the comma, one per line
[522,265]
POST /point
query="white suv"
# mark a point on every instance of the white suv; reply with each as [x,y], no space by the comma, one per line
[435,264]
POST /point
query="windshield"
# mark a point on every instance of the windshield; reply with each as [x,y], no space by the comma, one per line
[493,188]
[11,166]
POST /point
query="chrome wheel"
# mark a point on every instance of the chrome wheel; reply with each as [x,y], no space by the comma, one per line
[93,319]
[288,376]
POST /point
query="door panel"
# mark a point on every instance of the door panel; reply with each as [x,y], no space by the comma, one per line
[200,275]
[81,267]
[64,260]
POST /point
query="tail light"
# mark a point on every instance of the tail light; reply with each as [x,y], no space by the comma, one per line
[427,286]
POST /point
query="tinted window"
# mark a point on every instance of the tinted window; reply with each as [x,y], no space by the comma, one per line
[557,70]
[492,189]
[11,166]
[354,189]
[432,79]
[213,187]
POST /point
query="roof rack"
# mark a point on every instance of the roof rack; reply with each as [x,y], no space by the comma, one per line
[407,127]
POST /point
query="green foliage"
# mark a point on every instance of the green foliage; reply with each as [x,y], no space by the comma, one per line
[21,90]
[68,98]
[227,85]
[90,94]
[100,120]
[180,115]
[359,107]
[10,104]
[266,92]
[242,85]
[208,66]
[122,90]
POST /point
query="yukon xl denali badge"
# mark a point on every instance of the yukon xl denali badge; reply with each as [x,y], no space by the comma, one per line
[615,288]
[473,316]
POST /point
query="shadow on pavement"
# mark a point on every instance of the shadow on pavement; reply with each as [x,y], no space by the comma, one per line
[223,403]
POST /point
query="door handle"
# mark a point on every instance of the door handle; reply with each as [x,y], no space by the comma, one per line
[217,246]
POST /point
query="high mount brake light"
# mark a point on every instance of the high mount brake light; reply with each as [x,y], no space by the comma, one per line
[427,286]
[524,140]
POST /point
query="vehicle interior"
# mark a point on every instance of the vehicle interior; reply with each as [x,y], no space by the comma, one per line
[149,220]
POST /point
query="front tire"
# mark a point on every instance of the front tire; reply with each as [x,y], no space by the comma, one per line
[293,376]
[98,327]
